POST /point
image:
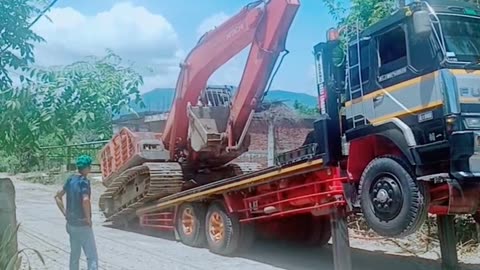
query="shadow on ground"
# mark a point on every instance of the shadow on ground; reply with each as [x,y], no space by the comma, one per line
[286,256]
[289,256]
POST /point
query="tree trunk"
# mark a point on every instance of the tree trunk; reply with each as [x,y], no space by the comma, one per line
[401,3]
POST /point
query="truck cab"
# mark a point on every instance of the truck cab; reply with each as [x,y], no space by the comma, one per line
[404,95]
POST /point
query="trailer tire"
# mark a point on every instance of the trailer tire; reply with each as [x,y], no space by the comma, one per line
[190,224]
[223,230]
[393,203]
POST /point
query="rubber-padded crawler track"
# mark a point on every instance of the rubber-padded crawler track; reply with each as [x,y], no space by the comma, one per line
[139,185]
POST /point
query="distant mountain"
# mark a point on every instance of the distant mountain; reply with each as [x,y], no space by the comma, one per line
[160,99]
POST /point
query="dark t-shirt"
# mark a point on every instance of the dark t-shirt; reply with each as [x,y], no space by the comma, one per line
[76,187]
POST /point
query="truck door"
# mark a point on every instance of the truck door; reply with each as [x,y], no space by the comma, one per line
[389,99]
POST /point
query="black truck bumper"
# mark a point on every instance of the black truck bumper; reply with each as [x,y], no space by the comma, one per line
[465,155]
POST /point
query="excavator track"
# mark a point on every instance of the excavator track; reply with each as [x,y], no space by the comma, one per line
[139,185]
[245,168]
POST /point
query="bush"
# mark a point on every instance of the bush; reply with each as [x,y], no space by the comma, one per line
[9,163]
[465,229]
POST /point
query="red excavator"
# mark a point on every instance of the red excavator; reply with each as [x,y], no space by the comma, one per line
[206,128]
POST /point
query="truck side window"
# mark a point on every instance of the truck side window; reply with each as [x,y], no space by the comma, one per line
[392,51]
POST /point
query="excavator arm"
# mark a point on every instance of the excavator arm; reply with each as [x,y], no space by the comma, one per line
[264,25]
[268,43]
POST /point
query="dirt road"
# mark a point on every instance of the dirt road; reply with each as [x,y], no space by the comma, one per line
[43,228]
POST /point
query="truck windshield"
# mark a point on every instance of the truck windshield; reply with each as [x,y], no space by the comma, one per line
[462,37]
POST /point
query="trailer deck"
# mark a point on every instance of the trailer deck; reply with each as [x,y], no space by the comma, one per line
[338,214]
[234,183]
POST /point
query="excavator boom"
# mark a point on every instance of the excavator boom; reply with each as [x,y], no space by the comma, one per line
[264,25]
[213,50]
[268,43]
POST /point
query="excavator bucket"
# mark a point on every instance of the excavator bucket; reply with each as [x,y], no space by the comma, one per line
[207,124]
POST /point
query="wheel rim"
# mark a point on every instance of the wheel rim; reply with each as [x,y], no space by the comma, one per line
[216,227]
[188,221]
[386,197]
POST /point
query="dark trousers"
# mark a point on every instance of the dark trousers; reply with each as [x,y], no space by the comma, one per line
[81,237]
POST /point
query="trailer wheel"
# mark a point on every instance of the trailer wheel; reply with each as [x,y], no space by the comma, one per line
[223,230]
[393,203]
[190,224]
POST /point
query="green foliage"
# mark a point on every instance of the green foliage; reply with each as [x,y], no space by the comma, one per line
[59,103]
[54,105]
[10,258]
[16,39]
[365,12]
[304,110]
[86,94]
[9,163]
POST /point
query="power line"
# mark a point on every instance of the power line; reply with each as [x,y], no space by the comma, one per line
[32,23]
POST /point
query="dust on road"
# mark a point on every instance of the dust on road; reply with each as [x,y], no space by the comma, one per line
[43,228]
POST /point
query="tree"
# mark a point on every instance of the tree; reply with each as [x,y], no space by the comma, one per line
[58,103]
[305,110]
[365,12]
[16,37]
[86,94]
[55,103]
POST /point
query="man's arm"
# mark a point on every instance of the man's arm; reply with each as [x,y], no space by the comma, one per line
[86,204]
[59,200]
[87,209]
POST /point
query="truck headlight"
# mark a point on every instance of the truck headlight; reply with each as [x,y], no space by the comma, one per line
[472,123]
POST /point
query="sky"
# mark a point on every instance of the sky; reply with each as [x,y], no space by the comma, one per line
[156,35]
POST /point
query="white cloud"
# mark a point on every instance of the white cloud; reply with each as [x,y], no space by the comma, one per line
[211,22]
[133,32]
[231,72]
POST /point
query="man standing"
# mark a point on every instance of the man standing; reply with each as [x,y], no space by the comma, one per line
[79,215]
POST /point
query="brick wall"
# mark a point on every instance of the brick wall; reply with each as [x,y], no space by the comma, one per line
[289,135]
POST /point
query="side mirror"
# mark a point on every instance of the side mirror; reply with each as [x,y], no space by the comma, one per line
[422,26]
